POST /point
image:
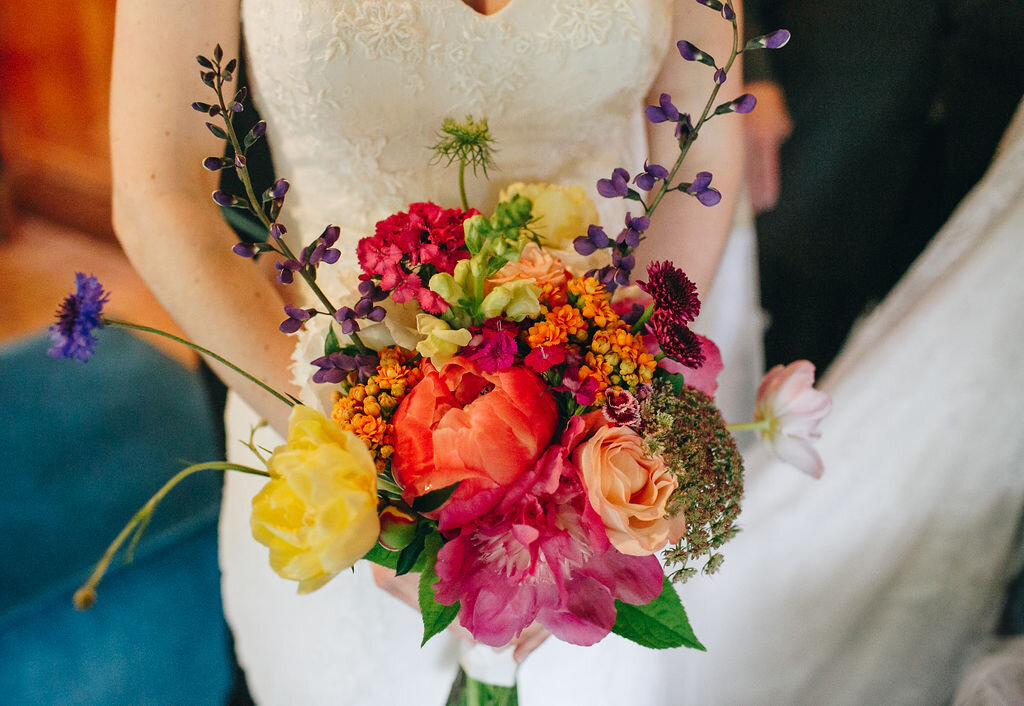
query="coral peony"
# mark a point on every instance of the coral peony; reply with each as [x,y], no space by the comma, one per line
[461,424]
[628,488]
[541,554]
[790,406]
[318,512]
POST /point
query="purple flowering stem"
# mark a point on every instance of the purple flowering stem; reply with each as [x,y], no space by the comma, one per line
[205,351]
[85,596]
[243,175]
[692,137]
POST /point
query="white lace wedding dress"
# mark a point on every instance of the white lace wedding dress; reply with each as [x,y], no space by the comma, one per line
[354,92]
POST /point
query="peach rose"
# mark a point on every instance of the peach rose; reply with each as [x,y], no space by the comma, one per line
[629,489]
[546,270]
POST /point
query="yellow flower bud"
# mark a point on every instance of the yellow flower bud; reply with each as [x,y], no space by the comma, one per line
[445,285]
[318,512]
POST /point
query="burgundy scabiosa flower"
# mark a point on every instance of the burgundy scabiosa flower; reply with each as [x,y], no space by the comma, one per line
[77,317]
[672,290]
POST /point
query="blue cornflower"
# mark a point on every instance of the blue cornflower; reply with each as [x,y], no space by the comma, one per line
[79,314]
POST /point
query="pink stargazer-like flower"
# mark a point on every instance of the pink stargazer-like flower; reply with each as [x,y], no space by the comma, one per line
[542,554]
[787,399]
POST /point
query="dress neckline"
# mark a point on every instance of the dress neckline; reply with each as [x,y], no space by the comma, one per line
[486,15]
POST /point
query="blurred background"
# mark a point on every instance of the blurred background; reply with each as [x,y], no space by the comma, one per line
[86,445]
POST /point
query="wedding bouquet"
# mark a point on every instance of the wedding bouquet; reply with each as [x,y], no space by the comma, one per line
[525,435]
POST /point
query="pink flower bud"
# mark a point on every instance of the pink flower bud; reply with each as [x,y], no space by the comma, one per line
[397,528]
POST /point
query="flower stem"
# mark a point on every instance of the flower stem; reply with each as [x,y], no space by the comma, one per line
[462,184]
[388,486]
[760,425]
[205,351]
[85,596]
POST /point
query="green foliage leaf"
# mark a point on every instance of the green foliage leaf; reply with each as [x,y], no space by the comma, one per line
[382,556]
[436,616]
[331,343]
[660,624]
[433,500]
[676,380]
[217,131]
[409,557]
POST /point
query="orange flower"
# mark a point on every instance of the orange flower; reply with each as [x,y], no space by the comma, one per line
[369,429]
[568,319]
[545,333]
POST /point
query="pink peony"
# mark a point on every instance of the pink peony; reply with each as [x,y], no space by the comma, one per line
[542,554]
[787,400]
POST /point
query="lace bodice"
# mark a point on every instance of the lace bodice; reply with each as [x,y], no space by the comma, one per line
[354,92]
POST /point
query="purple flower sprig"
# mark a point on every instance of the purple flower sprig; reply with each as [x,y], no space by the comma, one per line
[268,208]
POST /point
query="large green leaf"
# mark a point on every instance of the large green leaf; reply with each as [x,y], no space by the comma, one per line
[436,617]
[660,624]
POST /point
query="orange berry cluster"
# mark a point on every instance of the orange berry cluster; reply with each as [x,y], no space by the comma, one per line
[589,326]
[366,409]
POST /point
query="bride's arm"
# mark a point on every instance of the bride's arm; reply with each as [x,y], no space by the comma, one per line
[163,214]
[691,235]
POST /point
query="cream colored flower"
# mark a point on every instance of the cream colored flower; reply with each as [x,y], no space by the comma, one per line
[562,213]
[318,512]
[516,299]
[440,341]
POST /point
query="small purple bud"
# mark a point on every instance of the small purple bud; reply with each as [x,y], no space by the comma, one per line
[628,237]
[237,107]
[720,76]
[330,235]
[244,249]
[688,51]
[709,197]
[745,103]
[363,307]
[239,160]
[223,198]
[597,236]
[279,189]
[201,107]
[639,224]
[259,129]
[700,182]
[777,39]
[277,230]
[584,246]
[369,288]
[213,163]
[377,314]
[728,13]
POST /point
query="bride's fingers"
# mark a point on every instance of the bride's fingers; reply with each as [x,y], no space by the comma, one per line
[404,588]
[531,639]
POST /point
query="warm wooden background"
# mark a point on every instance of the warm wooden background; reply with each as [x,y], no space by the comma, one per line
[54,77]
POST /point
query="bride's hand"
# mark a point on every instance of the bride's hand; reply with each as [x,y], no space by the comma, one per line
[406,589]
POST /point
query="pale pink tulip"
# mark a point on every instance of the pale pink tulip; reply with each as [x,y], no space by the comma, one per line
[792,408]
